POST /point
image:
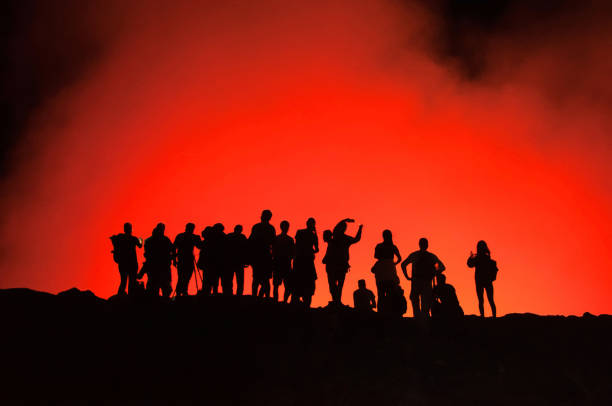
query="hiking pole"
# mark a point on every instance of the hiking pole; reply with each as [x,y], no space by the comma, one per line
[196,275]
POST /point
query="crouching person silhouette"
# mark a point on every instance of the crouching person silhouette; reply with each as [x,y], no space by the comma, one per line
[124,254]
[445,304]
[363,298]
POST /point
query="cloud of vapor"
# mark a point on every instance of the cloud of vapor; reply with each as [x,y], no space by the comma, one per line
[429,120]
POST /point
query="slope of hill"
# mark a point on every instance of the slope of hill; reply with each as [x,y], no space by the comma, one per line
[233,350]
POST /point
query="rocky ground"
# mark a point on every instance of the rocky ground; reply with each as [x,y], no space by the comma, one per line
[245,351]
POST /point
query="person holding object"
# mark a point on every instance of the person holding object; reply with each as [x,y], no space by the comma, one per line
[337,258]
[485,273]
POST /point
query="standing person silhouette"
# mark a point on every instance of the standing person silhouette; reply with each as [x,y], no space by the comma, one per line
[237,257]
[304,276]
[124,254]
[425,266]
[385,269]
[217,253]
[283,251]
[158,251]
[184,243]
[485,273]
[337,258]
[260,241]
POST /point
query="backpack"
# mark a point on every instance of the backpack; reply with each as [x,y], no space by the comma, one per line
[492,270]
[116,241]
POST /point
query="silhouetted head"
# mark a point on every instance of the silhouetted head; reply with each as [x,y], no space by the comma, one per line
[127,228]
[423,243]
[361,284]
[206,232]
[189,228]
[387,236]
[284,226]
[266,216]
[310,223]
[159,229]
[327,236]
[340,228]
[238,229]
[482,248]
[441,279]
[219,227]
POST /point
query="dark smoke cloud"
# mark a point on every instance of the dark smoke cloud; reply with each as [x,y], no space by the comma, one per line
[45,46]
[492,41]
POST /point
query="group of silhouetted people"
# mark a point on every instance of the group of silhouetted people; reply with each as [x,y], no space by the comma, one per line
[279,259]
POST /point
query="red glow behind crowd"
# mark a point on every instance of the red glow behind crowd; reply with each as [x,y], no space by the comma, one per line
[211,114]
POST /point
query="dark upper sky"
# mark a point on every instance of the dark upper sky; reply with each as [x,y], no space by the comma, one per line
[46,46]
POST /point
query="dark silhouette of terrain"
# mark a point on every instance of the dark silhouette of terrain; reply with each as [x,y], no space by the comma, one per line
[245,350]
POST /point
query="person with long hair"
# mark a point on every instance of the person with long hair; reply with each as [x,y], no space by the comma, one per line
[485,273]
[387,257]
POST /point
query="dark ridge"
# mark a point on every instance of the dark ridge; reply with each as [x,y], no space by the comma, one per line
[241,350]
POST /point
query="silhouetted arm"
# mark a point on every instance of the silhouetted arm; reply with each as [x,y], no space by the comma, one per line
[357,236]
[439,265]
[316,243]
[138,242]
[471,262]
[372,301]
[405,265]
[397,254]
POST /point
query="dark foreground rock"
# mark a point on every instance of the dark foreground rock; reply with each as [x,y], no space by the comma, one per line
[244,351]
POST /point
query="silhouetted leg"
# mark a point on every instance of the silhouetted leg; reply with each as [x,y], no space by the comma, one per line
[131,275]
[239,281]
[414,299]
[123,284]
[265,288]
[339,286]
[426,298]
[287,292]
[332,285]
[227,283]
[489,290]
[480,294]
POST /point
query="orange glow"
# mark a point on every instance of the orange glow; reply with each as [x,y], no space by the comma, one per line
[211,114]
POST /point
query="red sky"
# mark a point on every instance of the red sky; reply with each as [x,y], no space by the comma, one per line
[211,113]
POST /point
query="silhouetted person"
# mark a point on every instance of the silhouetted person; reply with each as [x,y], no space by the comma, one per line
[124,254]
[217,254]
[158,252]
[445,304]
[388,256]
[363,298]
[237,257]
[283,251]
[184,243]
[485,274]
[337,258]
[205,260]
[304,276]
[425,266]
[260,241]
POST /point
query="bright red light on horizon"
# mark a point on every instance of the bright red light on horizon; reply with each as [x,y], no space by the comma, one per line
[331,111]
